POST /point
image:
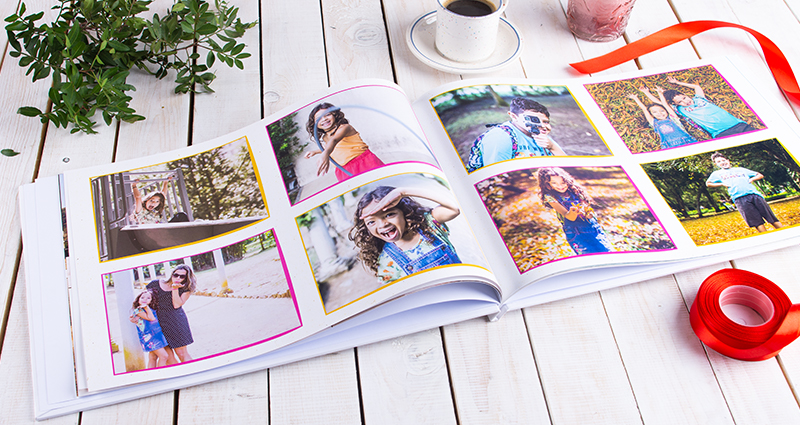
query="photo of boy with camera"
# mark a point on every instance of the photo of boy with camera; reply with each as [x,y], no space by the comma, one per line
[525,134]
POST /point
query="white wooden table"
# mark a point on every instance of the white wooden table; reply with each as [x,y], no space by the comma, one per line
[620,356]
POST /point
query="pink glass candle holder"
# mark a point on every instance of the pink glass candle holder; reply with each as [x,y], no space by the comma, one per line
[598,20]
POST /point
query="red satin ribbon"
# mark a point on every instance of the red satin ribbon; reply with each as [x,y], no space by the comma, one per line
[743,342]
[776,61]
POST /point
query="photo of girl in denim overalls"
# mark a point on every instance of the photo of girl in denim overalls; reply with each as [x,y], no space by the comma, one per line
[398,237]
[573,206]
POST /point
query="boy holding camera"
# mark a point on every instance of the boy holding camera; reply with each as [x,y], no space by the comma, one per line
[525,134]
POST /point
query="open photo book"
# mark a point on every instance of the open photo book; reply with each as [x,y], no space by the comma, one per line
[361,215]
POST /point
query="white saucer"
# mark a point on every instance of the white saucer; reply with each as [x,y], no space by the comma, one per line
[421,40]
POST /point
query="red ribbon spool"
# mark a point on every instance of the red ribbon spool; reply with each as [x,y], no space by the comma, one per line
[743,291]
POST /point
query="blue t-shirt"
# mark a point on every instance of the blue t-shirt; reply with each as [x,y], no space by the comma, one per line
[671,133]
[711,117]
[497,145]
[736,180]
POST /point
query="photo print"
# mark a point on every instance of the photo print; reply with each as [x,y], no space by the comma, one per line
[383,232]
[494,123]
[674,109]
[177,202]
[192,308]
[732,193]
[550,213]
[343,135]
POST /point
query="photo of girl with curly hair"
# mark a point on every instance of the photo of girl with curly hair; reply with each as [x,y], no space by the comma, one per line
[548,214]
[397,237]
[378,238]
[573,207]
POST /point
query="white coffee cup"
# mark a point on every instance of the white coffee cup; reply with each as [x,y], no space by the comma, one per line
[465,38]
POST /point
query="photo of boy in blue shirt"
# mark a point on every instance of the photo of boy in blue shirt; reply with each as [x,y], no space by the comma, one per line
[525,134]
[748,199]
[714,120]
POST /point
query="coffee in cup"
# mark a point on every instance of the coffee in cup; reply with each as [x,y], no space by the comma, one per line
[470,7]
[466,30]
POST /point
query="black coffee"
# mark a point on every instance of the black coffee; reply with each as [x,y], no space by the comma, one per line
[470,7]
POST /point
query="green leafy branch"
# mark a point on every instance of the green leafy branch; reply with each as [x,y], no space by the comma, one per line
[92,46]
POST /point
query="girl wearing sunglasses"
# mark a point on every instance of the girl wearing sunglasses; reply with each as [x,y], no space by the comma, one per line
[172,295]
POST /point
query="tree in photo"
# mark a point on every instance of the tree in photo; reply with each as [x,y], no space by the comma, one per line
[287,146]
[221,184]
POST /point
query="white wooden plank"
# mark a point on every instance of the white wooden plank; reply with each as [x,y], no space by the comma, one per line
[6,9]
[404,381]
[776,21]
[350,58]
[236,100]
[237,400]
[167,119]
[23,135]
[794,6]
[756,392]
[666,364]
[293,53]
[493,373]
[158,409]
[64,151]
[415,77]
[778,266]
[355,37]
[579,364]
[773,19]
[650,16]
[166,124]
[16,393]
[322,390]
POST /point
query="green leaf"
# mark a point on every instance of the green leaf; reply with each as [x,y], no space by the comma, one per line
[210,59]
[120,47]
[16,26]
[207,29]
[9,152]
[187,27]
[29,111]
